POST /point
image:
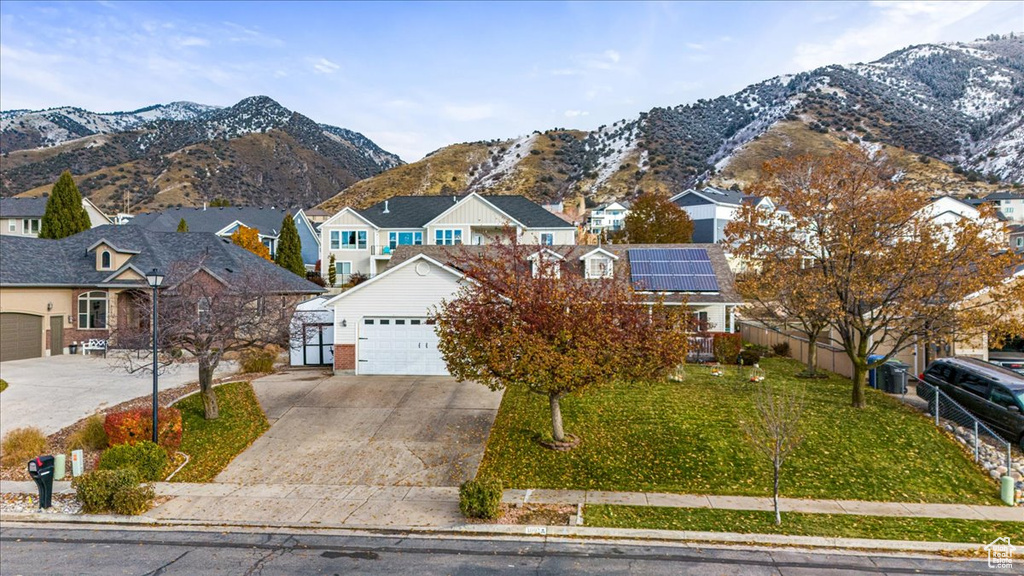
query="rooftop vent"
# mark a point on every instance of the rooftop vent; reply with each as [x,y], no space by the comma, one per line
[386,211]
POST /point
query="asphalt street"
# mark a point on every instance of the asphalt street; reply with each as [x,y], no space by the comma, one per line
[73,550]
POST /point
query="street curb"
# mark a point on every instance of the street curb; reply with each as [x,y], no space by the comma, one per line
[540,532]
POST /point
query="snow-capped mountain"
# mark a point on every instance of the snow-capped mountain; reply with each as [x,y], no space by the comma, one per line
[960,103]
[254,152]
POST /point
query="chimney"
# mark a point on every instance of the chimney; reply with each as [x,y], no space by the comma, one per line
[386,211]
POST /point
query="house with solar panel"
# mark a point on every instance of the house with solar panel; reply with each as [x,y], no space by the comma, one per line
[384,326]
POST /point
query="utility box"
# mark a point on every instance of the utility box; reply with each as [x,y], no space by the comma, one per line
[41,471]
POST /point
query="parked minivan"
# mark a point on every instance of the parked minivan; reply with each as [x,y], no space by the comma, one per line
[992,393]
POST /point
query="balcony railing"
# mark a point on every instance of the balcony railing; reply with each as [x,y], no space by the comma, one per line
[381,250]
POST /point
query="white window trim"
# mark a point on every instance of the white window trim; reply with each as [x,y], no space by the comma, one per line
[454,231]
[88,297]
[12,225]
[341,246]
[343,277]
[608,272]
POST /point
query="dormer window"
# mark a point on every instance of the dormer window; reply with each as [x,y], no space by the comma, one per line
[546,263]
[599,267]
[105,260]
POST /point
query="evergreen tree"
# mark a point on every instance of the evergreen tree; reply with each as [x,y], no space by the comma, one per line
[182,226]
[289,247]
[332,273]
[64,214]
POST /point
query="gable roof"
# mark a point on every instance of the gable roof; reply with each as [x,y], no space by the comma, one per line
[23,207]
[418,211]
[726,294]
[721,196]
[266,220]
[70,262]
[1004,195]
[391,269]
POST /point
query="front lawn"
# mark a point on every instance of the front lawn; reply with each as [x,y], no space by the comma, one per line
[800,524]
[213,444]
[685,438]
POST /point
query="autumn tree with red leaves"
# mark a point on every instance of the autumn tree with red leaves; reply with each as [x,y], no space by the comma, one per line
[527,318]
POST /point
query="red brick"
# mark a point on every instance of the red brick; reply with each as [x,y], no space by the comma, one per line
[344,356]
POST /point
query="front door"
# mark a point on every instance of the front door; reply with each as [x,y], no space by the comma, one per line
[56,335]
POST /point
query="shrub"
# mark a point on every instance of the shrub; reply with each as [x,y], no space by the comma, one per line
[726,347]
[96,489]
[146,458]
[480,498]
[21,445]
[259,359]
[782,349]
[749,356]
[133,426]
[133,500]
[91,436]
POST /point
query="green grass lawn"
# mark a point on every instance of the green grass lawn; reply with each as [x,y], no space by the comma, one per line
[798,524]
[212,444]
[685,438]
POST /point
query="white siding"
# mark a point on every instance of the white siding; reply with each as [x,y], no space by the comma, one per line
[701,212]
[404,292]
[562,236]
[717,318]
[472,211]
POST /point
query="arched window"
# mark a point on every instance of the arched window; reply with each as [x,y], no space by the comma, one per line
[92,310]
[105,259]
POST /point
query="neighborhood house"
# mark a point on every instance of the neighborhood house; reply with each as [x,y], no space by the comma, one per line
[363,241]
[711,209]
[24,216]
[384,326]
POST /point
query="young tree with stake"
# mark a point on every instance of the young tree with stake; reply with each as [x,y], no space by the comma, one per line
[774,430]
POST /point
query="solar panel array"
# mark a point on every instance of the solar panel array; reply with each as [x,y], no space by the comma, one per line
[672,270]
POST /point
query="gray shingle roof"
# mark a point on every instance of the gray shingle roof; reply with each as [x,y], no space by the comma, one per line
[450,255]
[1004,195]
[416,211]
[266,220]
[69,262]
[23,207]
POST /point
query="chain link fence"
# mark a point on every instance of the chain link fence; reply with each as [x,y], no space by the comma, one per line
[986,445]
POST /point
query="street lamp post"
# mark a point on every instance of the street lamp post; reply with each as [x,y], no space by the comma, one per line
[155,279]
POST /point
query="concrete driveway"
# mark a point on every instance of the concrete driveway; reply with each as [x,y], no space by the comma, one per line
[51,393]
[367,430]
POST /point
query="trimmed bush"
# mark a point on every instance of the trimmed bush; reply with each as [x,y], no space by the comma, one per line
[782,349]
[480,498]
[91,436]
[133,500]
[146,458]
[259,359]
[136,425]
[96,489]
[21,445]
[749,356]
[726,347]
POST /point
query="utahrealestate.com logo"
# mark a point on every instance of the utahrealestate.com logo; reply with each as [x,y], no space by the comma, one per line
[1000,553]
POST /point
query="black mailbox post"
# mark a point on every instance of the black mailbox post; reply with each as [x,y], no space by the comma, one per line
[41,470]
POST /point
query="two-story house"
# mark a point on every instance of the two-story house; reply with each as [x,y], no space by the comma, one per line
[24,216]
[711,209]
[608,217]
[362,241]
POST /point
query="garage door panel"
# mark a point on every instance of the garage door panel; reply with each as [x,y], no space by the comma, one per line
[21,336]
[396,346]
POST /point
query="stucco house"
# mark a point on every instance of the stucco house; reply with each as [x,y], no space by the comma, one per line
[57,292]
[363,241]
[384,326]
[23,216]
[225,221]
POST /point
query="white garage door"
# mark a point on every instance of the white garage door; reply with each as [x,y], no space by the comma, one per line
[399,346]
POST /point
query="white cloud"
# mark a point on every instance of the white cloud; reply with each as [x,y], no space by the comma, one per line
[188,41]
[612,55]
[468,113]
[695,46]
[895,25]
[576,113]
[324,66]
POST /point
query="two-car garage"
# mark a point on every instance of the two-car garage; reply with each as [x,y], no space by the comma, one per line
[383,325]
[21,336]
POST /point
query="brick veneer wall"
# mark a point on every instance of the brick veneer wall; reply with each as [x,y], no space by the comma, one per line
[344,356]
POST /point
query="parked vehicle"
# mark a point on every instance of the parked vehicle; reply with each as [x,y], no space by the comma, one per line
[992,393]
[1012,360]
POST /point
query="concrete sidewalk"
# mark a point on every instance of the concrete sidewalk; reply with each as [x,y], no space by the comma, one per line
[384,506]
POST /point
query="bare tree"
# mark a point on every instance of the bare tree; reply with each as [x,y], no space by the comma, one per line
[775,431]
[203,317]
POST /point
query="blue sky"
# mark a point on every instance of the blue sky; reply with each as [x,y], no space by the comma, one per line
[418,76]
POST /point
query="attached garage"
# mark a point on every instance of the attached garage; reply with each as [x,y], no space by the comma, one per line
[399,346]
[21,336]
[382,326]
